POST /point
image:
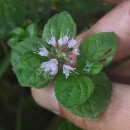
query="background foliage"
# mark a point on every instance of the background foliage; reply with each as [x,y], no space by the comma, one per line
[18,111]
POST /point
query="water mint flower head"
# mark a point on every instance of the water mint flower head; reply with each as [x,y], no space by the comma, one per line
[74,88]
[59,55]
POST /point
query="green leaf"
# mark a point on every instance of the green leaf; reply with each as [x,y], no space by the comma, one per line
[13,41]
[29,73]
[59,25]
[93,68]
[15,60]
[29,44]
[74,90]
[98,101]
[18,35]
[32,30]
[98,48]
[19,32]
[68,126]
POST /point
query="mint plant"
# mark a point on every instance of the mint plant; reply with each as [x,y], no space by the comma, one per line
[83,90]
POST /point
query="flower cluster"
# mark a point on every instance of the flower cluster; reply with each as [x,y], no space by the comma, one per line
[63,48]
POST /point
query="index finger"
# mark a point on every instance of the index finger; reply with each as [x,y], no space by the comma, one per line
[117,21]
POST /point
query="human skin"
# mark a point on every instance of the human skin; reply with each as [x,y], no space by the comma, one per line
[117,114]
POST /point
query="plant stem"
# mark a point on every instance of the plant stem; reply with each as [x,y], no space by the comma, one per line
[4,64]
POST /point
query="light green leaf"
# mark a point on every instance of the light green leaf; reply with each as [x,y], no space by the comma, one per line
[98,101]
[59,25]
[93,68]
[32,30]
[29,73]
[29,44]
[18,35]
[74,90]
[19,32]
[68,126]
[98,48]
[13,41]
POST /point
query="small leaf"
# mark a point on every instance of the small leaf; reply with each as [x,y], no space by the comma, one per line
[19,32]
[98,101]
[13,41]
[32,30]
[29,73]
[68,126]
[74,90]
[97,48]
[59,25]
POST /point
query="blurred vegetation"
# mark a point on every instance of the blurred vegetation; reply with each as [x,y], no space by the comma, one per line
[18,111]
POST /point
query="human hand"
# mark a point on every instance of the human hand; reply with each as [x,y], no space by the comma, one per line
[117,114]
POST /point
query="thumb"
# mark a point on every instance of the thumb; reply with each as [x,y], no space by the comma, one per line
[115,117]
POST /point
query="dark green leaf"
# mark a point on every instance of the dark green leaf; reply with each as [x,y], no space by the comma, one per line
[98,48]
[29,73]
[68,126]
[59,25]
[98,101]
[11,15]
[74,90]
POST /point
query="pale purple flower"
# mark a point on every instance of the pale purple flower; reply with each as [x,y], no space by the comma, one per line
[75,51]
[67,70]
[63,40]
[63,50]
[43,51]
[52,41]
[72,43]
[50,66]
